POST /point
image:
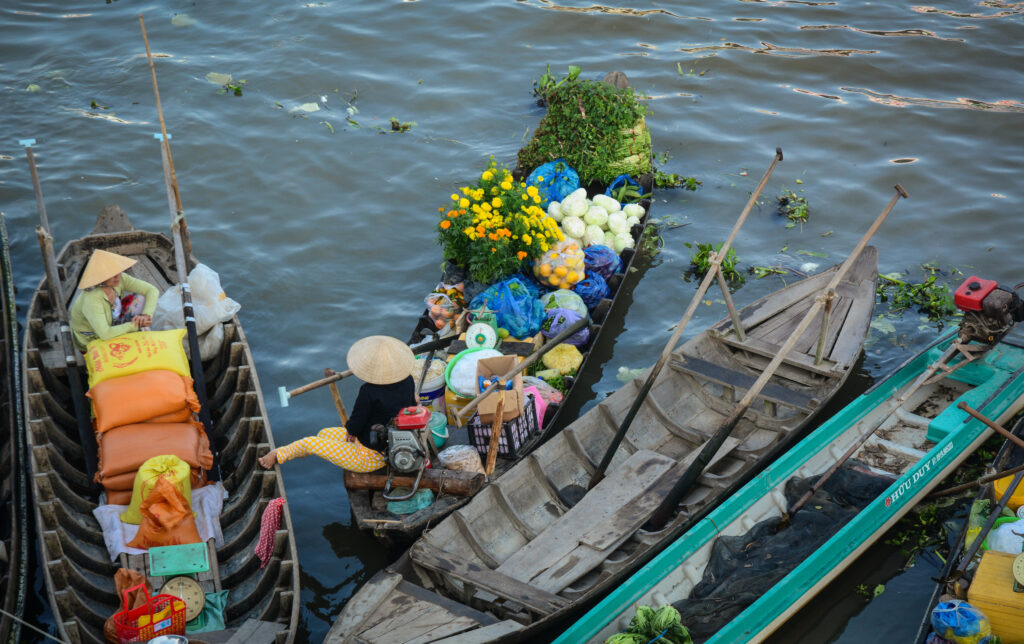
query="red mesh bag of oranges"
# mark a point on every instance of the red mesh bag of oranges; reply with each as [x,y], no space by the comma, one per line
[562,266]
[445,303]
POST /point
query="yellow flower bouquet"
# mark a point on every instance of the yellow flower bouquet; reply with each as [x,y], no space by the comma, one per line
[497,227]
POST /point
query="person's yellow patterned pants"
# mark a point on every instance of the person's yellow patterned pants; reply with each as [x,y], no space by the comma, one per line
[330,444]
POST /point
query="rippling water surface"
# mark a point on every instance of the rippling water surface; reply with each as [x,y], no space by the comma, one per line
[323,227]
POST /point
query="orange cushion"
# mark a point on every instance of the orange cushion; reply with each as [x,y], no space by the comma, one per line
[140,397]
[124,449]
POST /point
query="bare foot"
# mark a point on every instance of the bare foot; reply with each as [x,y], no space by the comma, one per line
[269,459]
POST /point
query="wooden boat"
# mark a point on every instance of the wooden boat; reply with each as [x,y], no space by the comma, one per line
[398,531]
[78,572]
[14,540]
[917,446]
[1009,457]
[535,546]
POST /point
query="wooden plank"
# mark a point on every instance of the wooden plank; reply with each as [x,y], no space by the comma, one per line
[730,377]
[596,545]
[836,326]
[767,307]
[621,487]
[396,612]
[850,342]
[791,319]
[360,607]
[802,360]
[808,342]
[448,627]
[485,634]
[423,554]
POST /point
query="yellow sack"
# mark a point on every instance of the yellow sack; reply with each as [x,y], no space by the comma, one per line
[170,467]
[132,353]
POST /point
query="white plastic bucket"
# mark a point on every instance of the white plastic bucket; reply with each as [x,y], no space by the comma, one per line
[432,394]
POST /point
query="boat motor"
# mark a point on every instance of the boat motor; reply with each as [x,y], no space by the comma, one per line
[405,450]
[990,310]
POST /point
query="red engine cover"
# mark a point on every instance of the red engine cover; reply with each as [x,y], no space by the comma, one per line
[412,418]
[969,295]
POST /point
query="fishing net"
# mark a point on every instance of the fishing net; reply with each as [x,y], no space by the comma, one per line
[743,567]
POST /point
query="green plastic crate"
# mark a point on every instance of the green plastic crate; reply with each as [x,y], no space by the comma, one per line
[186,559]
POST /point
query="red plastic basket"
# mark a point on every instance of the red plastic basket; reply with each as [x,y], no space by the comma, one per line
[127,621]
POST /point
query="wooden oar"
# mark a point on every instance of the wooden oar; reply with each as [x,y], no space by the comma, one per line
[180,234]
[53,286]
[716,263]
[977,483]
[335,376]
[492,446]
[466,412]
[679,490]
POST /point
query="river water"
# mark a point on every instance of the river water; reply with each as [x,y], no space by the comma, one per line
[322,228]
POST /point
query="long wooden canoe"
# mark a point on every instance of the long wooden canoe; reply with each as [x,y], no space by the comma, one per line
[78,572]
[1009,456]
[398,531]
[13,479]
[916,446]
[535,546]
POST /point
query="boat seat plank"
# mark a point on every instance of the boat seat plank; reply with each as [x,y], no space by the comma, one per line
[361,606]
[618,490]
[407,619]
[601,541]
[808,342]
[724,375]
[759,312]
[770,350]
[850,343]
[783,324]
[492,581]
[485,634]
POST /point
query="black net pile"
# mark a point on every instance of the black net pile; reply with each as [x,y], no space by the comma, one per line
[744,567]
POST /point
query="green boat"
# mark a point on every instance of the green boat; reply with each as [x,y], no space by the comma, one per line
[920,442]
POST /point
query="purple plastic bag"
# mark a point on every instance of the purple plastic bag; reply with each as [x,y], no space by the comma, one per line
[601,260]
[557,320]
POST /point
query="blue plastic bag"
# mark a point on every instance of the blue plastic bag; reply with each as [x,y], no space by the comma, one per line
[558,320]
[592,290]
[515,307]
[555,180]
[961,623]
[601,260]
[618,182]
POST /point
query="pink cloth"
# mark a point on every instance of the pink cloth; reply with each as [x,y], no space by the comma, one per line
[269,524]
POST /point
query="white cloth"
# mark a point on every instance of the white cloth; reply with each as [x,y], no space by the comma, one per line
[207,503]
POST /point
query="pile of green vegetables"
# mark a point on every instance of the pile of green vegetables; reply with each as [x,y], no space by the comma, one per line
[663,626]
[596,127]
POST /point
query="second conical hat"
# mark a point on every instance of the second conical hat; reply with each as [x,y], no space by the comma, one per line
[381,360]
[102,266]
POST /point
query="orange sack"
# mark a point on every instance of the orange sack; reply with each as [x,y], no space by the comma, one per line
[125,449]
[141,397]
[124,579]
[119,488]
[167,518]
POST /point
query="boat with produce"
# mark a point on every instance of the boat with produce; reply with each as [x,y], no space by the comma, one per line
[990,541]
[740,572]
[78,569]
[14,541]
[571,246]
[535,546]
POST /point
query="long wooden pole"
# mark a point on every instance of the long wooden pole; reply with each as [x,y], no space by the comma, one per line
[716,264]
[180,235]
[53,286]
[679,490]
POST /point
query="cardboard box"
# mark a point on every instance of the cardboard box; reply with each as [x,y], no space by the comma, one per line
[493,367]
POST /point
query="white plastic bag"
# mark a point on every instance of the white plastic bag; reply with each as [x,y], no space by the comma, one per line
[464,458]
[1004,539]
[210,303]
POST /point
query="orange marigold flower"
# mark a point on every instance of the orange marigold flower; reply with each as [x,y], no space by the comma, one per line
[493,249]
[493,236]
[445,225]
[480,229]
[521,255]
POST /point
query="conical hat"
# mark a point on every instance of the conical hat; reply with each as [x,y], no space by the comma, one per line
[102,266]
[380,360]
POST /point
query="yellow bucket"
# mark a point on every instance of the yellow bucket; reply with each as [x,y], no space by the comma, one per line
[453,404]
[1000,485]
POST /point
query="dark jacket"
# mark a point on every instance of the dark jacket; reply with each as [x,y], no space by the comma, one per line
[377,405]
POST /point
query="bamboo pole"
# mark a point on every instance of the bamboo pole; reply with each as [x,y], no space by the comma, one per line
[716,264]
[679,490]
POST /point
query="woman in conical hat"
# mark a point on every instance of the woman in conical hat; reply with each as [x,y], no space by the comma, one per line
[110,302]
[385,365]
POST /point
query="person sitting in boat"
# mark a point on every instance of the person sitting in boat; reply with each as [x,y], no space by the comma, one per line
[110,302]
[385,365]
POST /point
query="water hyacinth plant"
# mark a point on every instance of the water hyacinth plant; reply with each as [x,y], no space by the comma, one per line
[496,228]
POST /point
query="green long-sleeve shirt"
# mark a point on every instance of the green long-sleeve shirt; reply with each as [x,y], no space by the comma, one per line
[92,315]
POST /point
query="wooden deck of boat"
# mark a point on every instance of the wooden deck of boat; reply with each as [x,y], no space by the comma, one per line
[535,543]
[78,571]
